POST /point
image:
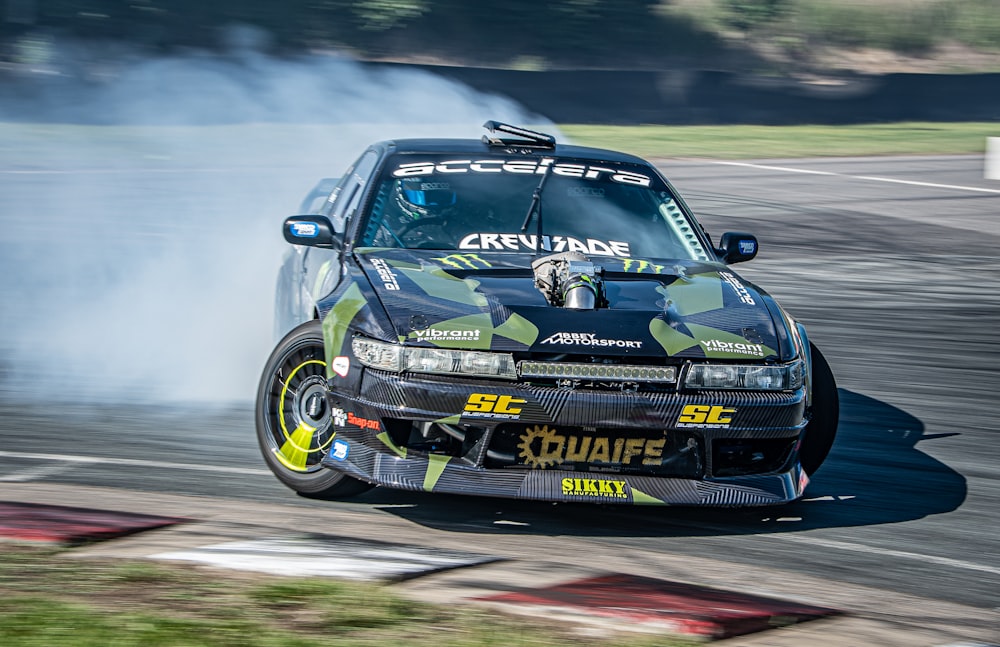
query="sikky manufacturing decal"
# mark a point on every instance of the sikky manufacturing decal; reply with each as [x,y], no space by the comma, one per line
[542,447]
[594,487]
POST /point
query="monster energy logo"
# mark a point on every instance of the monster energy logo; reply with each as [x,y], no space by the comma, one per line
[464,261]
[632,265]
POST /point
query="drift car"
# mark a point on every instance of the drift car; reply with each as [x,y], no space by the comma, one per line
[520,318]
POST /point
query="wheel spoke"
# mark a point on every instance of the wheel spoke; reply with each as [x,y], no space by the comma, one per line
[294,453]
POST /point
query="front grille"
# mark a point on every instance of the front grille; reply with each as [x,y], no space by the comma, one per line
[628,451]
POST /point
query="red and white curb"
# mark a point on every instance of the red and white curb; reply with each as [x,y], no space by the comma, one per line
[328,556]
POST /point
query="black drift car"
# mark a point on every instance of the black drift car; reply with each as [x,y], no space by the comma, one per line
[519,318]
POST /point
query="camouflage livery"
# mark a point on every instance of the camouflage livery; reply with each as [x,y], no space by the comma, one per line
[612,399]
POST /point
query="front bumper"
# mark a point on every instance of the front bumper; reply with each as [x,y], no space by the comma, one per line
[371,442]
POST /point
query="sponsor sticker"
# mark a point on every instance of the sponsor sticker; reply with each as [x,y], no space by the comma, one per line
[491,405]
[543,447]
[339,417]
[364,423]
[637,266]
[385,274]
[520,242]
[304,229]
[747,246]
[704,416]
[588,339]
[738,287]
[594,487]
[434,334]
[753,350]
[463,261]
[522,166]
[340,450]
[341,365]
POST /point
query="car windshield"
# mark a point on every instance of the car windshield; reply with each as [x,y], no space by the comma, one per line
[481,203]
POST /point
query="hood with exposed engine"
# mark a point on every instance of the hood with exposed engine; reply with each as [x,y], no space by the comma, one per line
[639,308]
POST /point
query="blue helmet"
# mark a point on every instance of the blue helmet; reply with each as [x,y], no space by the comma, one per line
[419,198]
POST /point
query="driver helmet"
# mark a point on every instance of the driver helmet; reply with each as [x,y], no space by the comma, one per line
[420,198]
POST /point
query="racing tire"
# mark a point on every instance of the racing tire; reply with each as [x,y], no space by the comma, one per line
[825,415]
[295,426]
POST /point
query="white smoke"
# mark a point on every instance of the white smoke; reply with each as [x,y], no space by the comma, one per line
[141,214]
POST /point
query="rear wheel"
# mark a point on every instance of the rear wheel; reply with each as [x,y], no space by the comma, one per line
[825,410]
[294,422]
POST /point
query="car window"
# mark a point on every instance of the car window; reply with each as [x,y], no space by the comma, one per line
[598,208]
[348,193]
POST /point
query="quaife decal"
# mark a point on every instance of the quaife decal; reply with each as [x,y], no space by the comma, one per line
[364,423]
[543,447]
[738,287]
[594,487]
[588,339]
[433,334]
[463,261]
[522,167]
[386,275]
[754,350]
[521,242]
[703,416]
[490,405]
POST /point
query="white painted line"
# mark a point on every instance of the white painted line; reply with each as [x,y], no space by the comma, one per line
[867,178]
[103,460]
[786,169]
[35,473]
[991,168]
[861,548]
[927,184]
[328,557]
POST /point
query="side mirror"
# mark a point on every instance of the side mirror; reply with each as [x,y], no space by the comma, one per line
[736,247]
[313,231]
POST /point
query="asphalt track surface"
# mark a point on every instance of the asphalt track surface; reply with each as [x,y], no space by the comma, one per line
[892,264]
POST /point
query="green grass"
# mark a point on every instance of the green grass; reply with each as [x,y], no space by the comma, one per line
[50,599]
[58,146]
[745,142]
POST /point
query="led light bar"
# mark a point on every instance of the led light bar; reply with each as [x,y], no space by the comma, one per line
[606,372]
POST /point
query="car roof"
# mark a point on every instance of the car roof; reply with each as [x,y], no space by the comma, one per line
[478,146]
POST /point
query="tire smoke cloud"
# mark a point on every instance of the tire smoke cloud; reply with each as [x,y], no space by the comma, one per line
[142,200]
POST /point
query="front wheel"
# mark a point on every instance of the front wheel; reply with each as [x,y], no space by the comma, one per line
[294,422]
[825,411]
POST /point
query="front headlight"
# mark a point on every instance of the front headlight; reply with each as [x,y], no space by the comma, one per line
[782,377]
[399,358]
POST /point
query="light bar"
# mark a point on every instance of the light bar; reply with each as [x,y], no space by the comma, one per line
[607,372]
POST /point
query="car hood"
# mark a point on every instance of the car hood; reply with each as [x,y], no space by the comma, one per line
[655,308]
